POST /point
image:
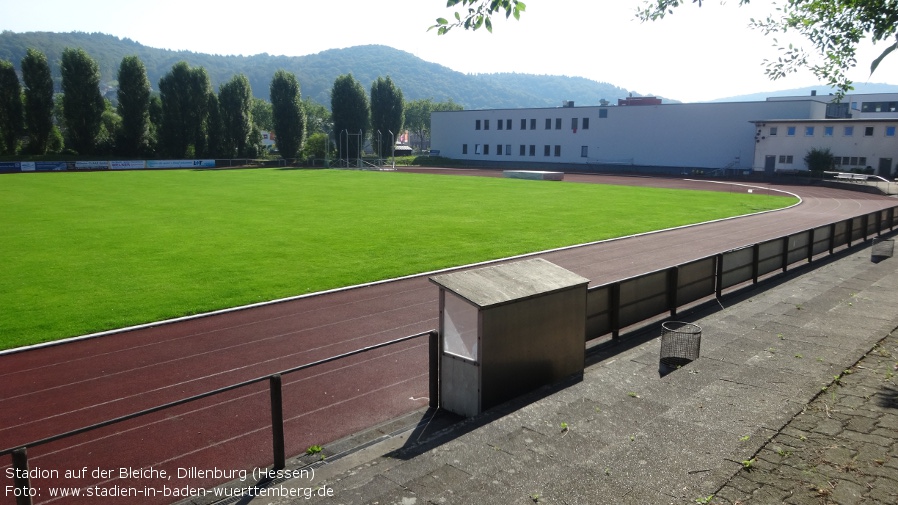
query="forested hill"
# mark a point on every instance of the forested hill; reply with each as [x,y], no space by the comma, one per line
[317,72]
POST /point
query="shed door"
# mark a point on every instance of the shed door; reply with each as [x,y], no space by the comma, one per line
[769,164]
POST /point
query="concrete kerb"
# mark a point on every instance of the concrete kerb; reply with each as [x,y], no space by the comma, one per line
[385,281]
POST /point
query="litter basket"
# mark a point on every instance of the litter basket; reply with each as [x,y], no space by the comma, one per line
[882,249]
[680,345]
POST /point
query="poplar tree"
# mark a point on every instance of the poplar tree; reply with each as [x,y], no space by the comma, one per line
[235,103]
[349,111]
[133,107]
[83,105]
[11,119]
[287,113]
[184,95]
[387,112]
[38,101]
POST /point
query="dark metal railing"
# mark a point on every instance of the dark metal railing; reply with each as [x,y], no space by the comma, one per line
[616,305]
[20,453]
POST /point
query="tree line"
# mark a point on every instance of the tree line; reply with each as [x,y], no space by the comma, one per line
[186,118]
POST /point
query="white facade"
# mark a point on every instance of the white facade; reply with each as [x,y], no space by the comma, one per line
[856,144]
[667,137]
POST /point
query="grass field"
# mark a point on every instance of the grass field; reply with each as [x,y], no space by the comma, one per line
[86,252]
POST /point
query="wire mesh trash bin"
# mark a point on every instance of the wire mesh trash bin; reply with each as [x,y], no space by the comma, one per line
[680,345]
[882,249]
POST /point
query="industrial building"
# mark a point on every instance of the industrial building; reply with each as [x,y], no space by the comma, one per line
[640,134]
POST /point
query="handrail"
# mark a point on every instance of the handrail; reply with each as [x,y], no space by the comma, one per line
[19,453]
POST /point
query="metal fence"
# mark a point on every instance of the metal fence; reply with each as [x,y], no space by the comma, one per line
[614,306]
[24,492]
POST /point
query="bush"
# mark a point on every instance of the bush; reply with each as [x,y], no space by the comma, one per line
[818,160]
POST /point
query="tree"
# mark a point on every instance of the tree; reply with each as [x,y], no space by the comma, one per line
[834,29]
[83,104]
[12,120]
[349,110]
[235,104]
[819,160]
[318,146]
[318,118]
[417,117]
[387,112]
[479,14]
[262,118]
[214,128]
[184,93]
[38,101]
[133,107]
[287,114]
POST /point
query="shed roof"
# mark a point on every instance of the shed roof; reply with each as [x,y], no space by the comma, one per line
[495,285]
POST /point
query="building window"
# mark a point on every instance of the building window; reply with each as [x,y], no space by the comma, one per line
[532,150]
[547,150]
[500,124]
[879,107]
[586,123]
[808,131]
[790,131]
[523,124]
[574,123]
[548,123]
[890,131]
[486,149]
[464,148]
[603,113]
[507,149]
[558,123]
[868,131]
[785,160]
[486,124]
[849,131]
[584,151]
[476,148]
[828,131]
[477,124]
[533,124]
[523,150]
[862,160]
[508,124]
[499,147]
[773,131]
[557,150]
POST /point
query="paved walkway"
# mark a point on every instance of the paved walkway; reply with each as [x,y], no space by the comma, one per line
[794,400]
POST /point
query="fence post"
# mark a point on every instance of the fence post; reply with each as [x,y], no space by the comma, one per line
[755,262]
[277,421]
[20,480]
[434,369]
[615,311]
[810,245]
[719,275]
[832,238]
[849,225]
[785,253]
[673,280]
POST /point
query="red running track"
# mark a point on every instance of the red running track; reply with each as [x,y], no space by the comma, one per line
[55,389]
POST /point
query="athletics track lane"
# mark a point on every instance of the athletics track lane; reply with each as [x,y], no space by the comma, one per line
[50,390]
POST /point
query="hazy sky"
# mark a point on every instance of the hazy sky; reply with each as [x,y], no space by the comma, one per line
[695,54]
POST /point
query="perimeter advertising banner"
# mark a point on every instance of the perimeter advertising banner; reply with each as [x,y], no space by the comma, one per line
[10,166]
[46,166]
[180,163]
[91,165]
[128,165]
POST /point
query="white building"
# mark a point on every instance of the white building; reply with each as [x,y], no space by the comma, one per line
[671,138]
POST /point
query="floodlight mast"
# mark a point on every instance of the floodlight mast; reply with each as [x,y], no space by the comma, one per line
[392,149]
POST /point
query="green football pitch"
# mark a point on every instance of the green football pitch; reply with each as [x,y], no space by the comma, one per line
[86,252]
